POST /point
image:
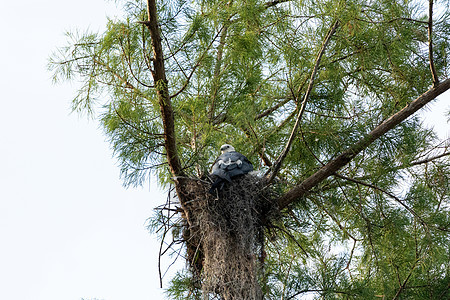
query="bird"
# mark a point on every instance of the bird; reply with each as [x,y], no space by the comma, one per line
[228,165]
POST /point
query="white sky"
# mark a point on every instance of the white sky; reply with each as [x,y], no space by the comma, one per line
[68,230]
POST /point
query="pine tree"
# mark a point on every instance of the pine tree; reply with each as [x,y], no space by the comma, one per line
[322,97]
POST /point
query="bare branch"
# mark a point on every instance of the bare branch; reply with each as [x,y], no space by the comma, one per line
[280,159]
[293,238]
[430,43]
[274,3]
[260,149]
[392,20]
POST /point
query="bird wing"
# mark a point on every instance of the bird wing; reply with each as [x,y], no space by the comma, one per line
[220,169]
[246,165]
[231,164]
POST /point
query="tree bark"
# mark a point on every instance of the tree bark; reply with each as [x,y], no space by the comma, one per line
[162,91]
[295,194]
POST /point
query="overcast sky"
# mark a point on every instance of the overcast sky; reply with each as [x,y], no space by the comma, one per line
[68,229]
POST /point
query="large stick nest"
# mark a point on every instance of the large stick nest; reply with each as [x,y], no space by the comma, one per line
[224,235]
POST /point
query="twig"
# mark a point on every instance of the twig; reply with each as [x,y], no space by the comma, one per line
[128,60]
[274,3]
[280,159]
[150,134]
[341,227]
[402,287]
[188,79]
[387,193]
[217,68]
[350,153]
[272,109]
[159,259]
[430,43]
[292,237]
[430,159]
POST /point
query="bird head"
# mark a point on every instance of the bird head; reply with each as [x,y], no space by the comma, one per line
[226,148]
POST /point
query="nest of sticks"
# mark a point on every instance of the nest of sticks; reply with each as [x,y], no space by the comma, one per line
[224,235]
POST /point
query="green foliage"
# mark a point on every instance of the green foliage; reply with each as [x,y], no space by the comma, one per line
[237,71]
[182,287]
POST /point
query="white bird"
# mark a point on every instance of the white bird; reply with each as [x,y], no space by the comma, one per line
[227,166]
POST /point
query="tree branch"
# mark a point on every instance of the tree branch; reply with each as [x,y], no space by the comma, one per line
[280,159]
[274,3]
[345,157]
[402,287]
[429,159]
[430,43]
[217,69]
[162,91]
[273,108]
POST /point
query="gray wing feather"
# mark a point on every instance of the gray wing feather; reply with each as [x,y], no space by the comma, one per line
[231,164]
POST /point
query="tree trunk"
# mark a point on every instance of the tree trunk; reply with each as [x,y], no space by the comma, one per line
[162,91]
